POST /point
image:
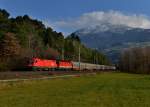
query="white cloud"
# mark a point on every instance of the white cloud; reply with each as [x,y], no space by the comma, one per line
[98,17]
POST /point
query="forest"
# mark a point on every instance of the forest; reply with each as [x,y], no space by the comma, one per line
[135,60]
[22,38]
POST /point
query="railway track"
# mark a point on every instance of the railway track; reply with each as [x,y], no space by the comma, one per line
[43,78]
[29,75]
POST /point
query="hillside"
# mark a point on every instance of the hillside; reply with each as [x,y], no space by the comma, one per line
[23,37]
[112,39]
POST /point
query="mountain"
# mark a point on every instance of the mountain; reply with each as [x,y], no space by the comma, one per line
[112,39]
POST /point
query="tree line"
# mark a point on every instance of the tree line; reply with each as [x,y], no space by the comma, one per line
[22,38]
[135,60]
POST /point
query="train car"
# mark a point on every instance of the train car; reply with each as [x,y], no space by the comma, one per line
[100,67]
[42,64]
[87,66]
[84,66]
[65,65]
[112,68]
[75,66]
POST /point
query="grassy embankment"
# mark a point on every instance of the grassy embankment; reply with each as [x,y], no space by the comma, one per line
[103,90]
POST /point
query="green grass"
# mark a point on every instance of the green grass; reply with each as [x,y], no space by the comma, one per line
[103,90]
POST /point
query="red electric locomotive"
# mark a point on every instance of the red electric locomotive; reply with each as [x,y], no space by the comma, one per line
[42,64]
[65,65]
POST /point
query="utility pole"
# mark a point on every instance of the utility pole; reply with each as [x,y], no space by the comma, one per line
[79,57]
[93,59]
[73,58]
[62,51]
[30,37]
[96,56]
[62,54]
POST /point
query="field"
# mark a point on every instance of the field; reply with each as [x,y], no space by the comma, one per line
[102,90]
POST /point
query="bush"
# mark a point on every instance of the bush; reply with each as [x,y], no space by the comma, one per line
[4,66]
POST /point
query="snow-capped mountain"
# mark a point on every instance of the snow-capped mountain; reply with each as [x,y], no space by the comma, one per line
[103,28]
[111,39]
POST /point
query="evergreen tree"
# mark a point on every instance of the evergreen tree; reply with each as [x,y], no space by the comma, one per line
[75,37]
[9,46]
[4,13]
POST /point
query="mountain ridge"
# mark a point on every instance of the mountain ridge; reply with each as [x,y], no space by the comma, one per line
[112,39]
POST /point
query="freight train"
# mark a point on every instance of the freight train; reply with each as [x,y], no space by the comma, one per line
[45,64]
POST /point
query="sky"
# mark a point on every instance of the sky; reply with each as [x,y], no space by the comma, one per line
[69,15]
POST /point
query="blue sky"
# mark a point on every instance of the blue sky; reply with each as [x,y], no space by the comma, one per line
[58,10]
